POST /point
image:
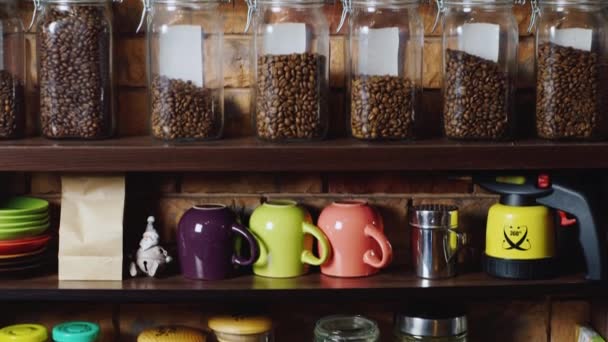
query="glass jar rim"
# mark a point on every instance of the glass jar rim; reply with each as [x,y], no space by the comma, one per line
[357,327]
[387,3]
[478,2]
[570,2]
[188,2]
[292,2]
[76,1]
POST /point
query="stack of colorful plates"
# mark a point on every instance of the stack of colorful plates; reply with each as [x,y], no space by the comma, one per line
[24,237]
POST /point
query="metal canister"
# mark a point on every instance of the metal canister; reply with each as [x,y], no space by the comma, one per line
[419,328]
[435,240]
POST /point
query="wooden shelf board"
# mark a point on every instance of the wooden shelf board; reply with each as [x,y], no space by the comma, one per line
[250,154]
[386,285]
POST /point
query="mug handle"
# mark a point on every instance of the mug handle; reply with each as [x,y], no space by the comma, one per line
[254,250]
[262,251]
[307,256]
[461,242]
[385,246]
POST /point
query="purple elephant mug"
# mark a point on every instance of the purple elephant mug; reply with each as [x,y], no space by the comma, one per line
[206,242]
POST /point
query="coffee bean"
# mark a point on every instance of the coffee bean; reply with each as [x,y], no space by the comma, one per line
[382,107]
[475,98]
[290,103]
[184,111]
[74,72]
[12,115]
[568,99]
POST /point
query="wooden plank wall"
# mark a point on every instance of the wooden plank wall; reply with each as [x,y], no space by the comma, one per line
[168,195]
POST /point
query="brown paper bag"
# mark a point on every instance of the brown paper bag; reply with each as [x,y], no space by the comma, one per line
[90,232]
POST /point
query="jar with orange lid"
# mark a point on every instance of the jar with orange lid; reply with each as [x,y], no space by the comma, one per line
[242,328]
[172,334]
[24,333]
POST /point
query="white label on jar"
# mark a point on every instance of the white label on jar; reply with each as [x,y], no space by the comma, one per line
[577,38]
[379,51]
[481,40]
[285,38]
[181,53]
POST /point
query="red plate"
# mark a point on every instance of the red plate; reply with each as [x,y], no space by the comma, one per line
[9,247]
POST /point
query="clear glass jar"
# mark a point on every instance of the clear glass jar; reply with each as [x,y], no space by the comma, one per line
[572,59]
[420,328]
[241,328]
[74,40]
[346,329]
[12,72]
[385,56]
[291,39]
[185,78]
[480,40]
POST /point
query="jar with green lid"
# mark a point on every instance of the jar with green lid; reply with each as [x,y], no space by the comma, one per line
[172,333]
[343,328]
[24,333]
[421,328]
[241,328]
[76,332]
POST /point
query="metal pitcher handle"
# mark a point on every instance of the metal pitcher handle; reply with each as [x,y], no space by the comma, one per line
[461,242]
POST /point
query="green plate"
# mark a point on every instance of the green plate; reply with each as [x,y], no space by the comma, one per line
[11,226]
[12,234]
[19,206]
[23,218]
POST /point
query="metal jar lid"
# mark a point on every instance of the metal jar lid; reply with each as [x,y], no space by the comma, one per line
[434,216]
[431,327]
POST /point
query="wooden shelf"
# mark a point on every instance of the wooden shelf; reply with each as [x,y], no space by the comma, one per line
[249,154]
[387,285]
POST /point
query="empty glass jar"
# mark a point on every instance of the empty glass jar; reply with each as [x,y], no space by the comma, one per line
[385,54]
[12,71]
[291,39]
[480,40]
[74,39]
[346,329]
[571,58]
[185,79]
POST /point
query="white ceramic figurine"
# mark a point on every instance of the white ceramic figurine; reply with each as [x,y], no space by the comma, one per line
[150,258]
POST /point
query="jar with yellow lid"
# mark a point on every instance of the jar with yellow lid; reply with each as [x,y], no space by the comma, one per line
[242,328]
[171,334]
[24,333]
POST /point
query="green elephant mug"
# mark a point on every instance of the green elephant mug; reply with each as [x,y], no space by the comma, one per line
[285,235]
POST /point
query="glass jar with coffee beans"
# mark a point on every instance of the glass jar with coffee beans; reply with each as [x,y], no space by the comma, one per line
[12,71]
[480,40]
[572,72]
[185,80]
[74,39]
[291,40]
[385,54]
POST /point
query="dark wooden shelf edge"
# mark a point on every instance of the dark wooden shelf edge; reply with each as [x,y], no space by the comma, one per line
[388,286]
[249,154]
